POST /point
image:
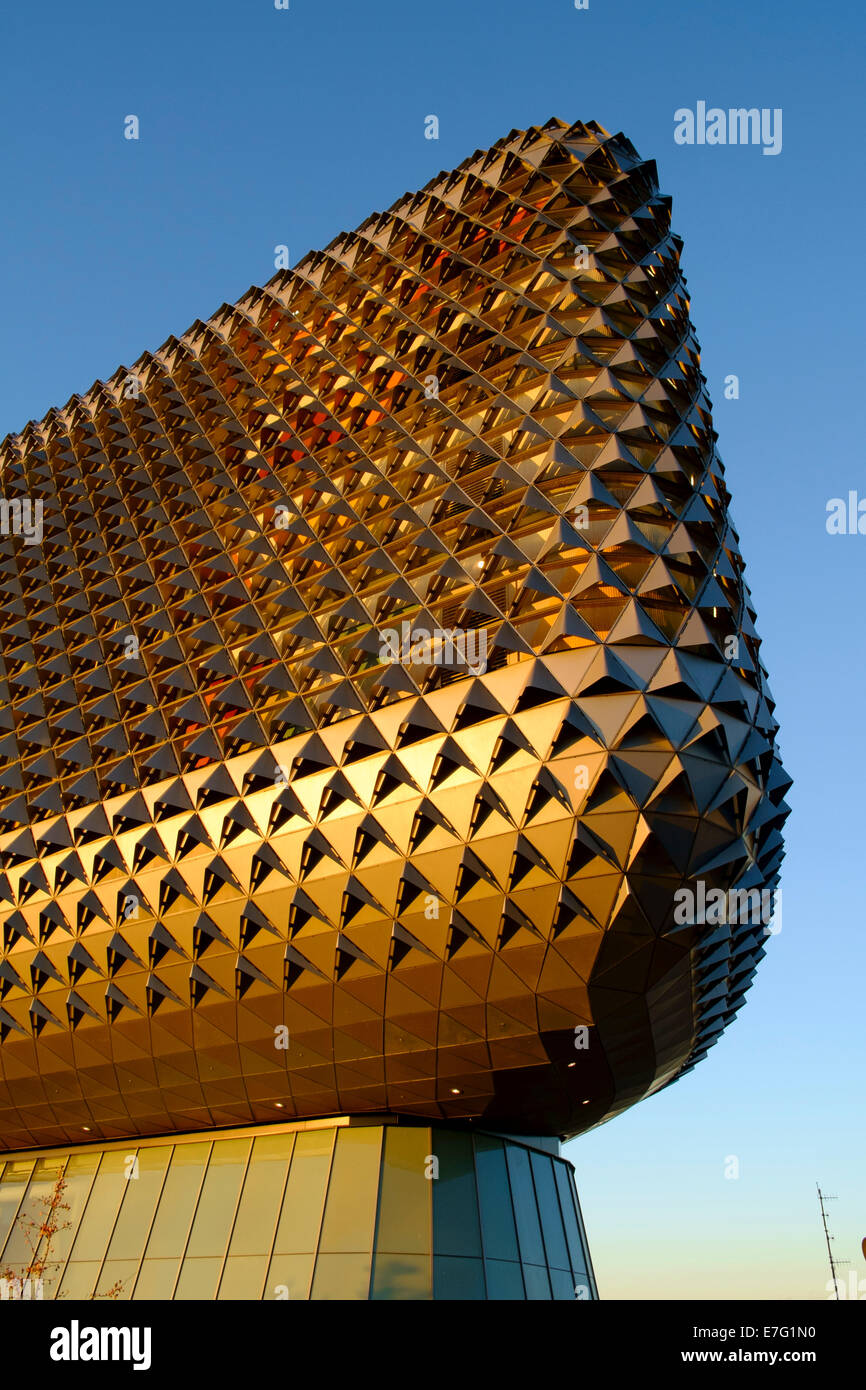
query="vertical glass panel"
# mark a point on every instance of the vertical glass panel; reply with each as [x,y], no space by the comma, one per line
[536,1281]
[456,1230]
[13,1185]
[256,1221]
[504,1279]
[525,1208]
[144,1173]
[494,1196]
[156,1280]
[565,1188]
[548,1206]
[459,1279]
[177,1202]
[97,1223]
[25,1243]
[198,1278]
[342,1277]
[243,1277]
[350,1206]
[290,1276]
[563,1287]
[405,1197]
[301,1218]
[78,1177]
[116,1279]
[79,1279]
[216,1205]
[404,1277]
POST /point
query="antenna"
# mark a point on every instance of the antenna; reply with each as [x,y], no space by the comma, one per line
[822,1198]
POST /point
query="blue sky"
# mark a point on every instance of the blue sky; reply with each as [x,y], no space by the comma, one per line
[262,127]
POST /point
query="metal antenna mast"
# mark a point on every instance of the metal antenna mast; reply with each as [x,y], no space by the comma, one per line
[821,1199]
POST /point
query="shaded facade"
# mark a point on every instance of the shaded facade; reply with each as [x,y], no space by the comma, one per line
[382,669]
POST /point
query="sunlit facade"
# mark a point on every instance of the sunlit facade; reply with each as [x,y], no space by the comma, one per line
[377,666]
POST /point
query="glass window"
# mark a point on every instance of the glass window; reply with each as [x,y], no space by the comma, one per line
[253,1232]
[97,1222]
[494,1196]
[403,1277]
[563,1285]
[79,1279]
[548,1206]
[405,1197]
[301,1218]
[118,1275]
[216,1205]
[456,1230]
[342,1277]
[504,1279]
[565,1188]
[457,1278]
[198,1278]
[243,1277]
[13,1185]
[536,1281]
[525,1207]
[350,1206]
[177,1202]
[79,1174]
[290,1276]
[24,1239]
[156,1279]
[144,1172]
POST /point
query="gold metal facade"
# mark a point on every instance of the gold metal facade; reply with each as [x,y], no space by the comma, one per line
[230,806]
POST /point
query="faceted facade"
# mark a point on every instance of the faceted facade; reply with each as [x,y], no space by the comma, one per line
[272,846]
[314,1210]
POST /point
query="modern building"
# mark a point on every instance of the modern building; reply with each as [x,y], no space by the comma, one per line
[378,674]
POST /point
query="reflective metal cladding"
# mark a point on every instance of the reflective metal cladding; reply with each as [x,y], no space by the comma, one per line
[377,666]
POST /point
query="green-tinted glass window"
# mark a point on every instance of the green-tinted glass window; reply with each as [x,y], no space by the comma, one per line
[78,1177]
[548,1206]
[290,1276]
[256,1221]
[216,1205]
[525,1208]
[402,1277]
[144,1172]
[494,1195]
[116,1279]
[24,1235]
[95,1229]
[243,1277]
[405,1196]
[565,1188]
[350,1206]
[13,1185]
[303,1204]
[198,1279]
[563,1288]
[504,1279]
[536,1281]
[342,1277]
[177,1203]
[156,1280]
[458,1278]
[455,1201]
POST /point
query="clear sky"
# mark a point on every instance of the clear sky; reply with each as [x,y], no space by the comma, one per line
[261,127]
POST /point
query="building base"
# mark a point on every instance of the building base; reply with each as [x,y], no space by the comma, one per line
[334,1209]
